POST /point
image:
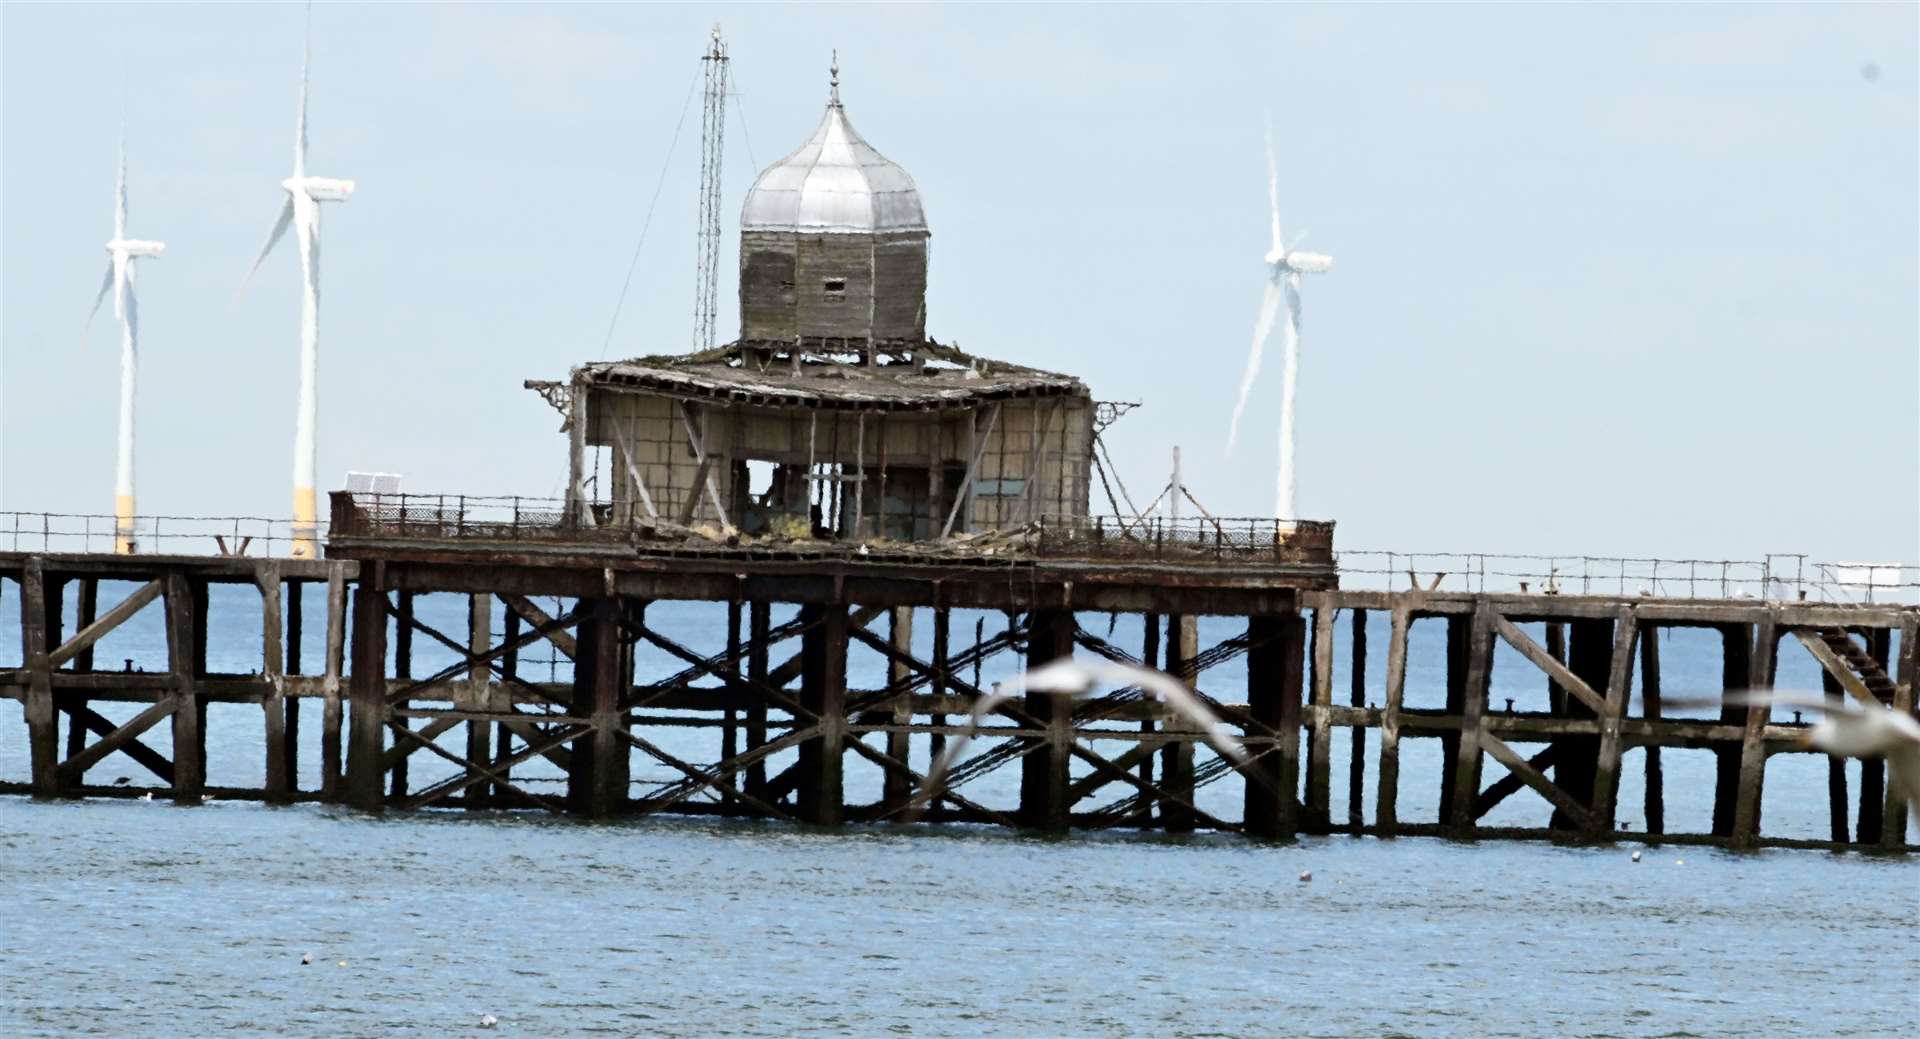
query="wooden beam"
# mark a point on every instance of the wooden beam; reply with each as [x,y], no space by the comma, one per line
[704,477]
[1838,668]
[1466,776]
[1511,783]
[366,752]
[1527,774]
[1894,809]
[74,769]
[279,779]
[1545,661]
[639,482]
[1320,745]
[1606,782]
[334,665]
[1753,751]
[537,618]
[189,747]
[43,726]
[112,619]
[973,468]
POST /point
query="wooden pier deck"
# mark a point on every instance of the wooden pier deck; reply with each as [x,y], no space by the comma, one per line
[763,691]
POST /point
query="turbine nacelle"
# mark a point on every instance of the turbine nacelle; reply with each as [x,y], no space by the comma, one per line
[319,189]
[1308,263]
[135,247]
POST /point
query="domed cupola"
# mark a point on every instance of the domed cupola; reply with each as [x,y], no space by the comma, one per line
[833,244]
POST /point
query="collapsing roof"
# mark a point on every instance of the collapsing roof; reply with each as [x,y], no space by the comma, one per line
[937,377]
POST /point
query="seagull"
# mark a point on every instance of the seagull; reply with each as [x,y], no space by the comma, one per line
[488,1020]
[1077,678]
[1846,730]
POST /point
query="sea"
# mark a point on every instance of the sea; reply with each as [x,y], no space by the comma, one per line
[124,917]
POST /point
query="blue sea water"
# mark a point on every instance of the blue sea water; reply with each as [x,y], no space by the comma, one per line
[144,919]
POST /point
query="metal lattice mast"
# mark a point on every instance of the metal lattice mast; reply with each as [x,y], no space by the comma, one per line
[712,137]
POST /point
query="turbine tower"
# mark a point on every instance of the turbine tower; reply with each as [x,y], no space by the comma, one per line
[121,252]
[1284,268]
[302,211]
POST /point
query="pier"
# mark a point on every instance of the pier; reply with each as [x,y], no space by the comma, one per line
[766,694]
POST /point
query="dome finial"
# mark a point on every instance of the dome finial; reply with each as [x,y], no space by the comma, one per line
[834,78]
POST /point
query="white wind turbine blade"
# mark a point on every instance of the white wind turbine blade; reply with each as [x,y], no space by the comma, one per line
[1262,328]
[1273,194]
[1289,382]
[120,194]
[106,284]
[273,238]
[306,63]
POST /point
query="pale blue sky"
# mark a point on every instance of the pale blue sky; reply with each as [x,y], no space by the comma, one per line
[1609,279]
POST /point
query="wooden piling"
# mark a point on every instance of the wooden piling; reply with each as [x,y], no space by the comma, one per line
[1655,804]
[279,785]
[402,669]
[898,785]
[183,648]
[290,653]
[331,770]
[1590,656]
[760,625]
[1386,809]
[1753,751]
[1044,784]
[43,727]
[1176,758]
[1736,662]
[1320,745]
[1466,776]
[1873,771]
[823,690]
[1458,629]
[88,604]
[598,769]
[1606,779]
[1357,736]
[1150,657]
[478,692]
[367,687]
[1275,651]
[1893,827]
[1838,806]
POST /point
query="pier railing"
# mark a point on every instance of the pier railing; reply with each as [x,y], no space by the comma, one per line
[59,532]
[1780,577]
[1203,538]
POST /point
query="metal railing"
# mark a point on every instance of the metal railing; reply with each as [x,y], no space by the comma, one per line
[1779,577]
[1240,539]
[61,532]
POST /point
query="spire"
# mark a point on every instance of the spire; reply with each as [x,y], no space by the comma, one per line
[834,79]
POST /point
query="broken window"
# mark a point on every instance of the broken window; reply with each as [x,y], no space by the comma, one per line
[836,288]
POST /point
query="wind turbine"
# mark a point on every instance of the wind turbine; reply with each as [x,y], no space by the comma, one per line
[302,211]
[1284,268]
[121,252]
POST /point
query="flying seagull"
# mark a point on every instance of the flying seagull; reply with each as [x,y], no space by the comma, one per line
[1075,677]
[1284,268]
[1844,729]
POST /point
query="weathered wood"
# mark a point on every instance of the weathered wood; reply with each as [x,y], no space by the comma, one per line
[760,625]
[538,618]
[478,691]
[1606,783]
[279,778]
[367,688]
[1753,756]
[189,747]
[1458,628]
[1894,820]
[92,632]
[1386,811]
[1873,776]
[898,787]
[1274,658]
[1511,783]
[1837,808]
[399,776]
[1655,804]
[122,737]
[1837,669]
[597,780]
[1149,657]
[978,445]
[1736,662]
[1320,745]
[43,726]
[335,665]
[823,691]
[1357,697]
[1467,764]
[1590,657]
[1176,759]
[290,734]
[1546,662]
[1044,781]
[1526,773]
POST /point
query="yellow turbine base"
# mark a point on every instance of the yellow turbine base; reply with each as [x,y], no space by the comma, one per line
[123,525]
[305,541]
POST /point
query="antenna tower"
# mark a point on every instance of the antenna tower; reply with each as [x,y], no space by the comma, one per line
[712,137]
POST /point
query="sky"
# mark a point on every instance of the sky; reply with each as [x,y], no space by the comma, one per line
[1636,280]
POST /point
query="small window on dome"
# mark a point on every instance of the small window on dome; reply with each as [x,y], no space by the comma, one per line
[836,288]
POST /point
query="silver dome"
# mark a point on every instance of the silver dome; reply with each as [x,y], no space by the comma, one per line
[835,183]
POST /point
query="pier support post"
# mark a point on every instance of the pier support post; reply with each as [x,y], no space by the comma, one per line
[1577,759]
[1458,629]
[1319,805]
[189,747]
[1753,750]
[367,686]
[1386,818]
[402,670]
[1466,778]
[759,627]
[1357,736]
[1873,771]
[1274,657]
[334,667]
[823,690]
[89,606]
[1176,758]
[43,726]
[291,665]
[273,668]
[1736,661]
[898,785]
[1838,804]
[1606,779]
[478,691]
[1044,782]
[1656,803]
[598,769]
[1893,826]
